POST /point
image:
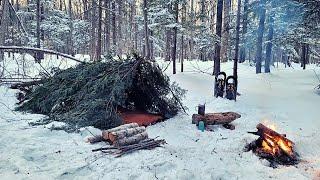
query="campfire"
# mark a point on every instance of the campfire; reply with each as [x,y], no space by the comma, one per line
[274,147]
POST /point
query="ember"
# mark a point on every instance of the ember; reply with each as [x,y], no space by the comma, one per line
[274,147]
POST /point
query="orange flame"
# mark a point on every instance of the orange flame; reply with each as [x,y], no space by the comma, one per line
[274,144]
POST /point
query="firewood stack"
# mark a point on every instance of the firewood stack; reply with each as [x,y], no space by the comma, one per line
[126,139]
[125,135]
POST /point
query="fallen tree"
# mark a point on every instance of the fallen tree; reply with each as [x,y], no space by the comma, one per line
[93,94]
[20,49]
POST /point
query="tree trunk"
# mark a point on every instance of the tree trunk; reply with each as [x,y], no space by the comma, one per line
[146,31]
[39,55]
[107,25]
[226,28]
[99,44]
[218,32]
[244,32]
[235,65]
[184,14]
[71,50]
[85,9]
[192,30]
[262,14]
[3,26]
[175,29]
[269,45]
[114,32]
[303,56]
[120,46]
[93,32]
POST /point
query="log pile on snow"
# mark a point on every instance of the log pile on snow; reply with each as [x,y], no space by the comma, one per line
[125,135]
[126,139]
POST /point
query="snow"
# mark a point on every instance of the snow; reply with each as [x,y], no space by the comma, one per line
[285,98]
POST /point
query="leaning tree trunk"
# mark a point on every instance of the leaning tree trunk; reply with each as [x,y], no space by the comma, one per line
[262,14]
[218,32]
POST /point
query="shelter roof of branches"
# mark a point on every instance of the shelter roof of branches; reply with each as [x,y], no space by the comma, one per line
[94,94]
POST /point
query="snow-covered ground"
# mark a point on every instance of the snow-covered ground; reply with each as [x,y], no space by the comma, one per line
[285,98]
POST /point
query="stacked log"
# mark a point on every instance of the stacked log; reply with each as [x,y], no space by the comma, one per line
[125,135]
[126,139]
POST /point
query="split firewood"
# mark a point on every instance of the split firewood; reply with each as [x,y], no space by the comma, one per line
[131,140]
[105,134]
[215,118]
[114,136]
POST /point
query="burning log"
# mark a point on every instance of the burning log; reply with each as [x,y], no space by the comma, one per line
[273,146]
[215,118]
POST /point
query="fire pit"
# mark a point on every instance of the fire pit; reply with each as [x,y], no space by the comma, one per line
[274,147]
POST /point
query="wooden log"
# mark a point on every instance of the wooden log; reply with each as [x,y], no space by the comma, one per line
[94,139]
[263,130]
[215,118]
[131,140]
[114,136]
[105,134]
[282,142]
[32,50]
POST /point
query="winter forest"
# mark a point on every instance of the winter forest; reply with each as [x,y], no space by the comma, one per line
[160,89]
